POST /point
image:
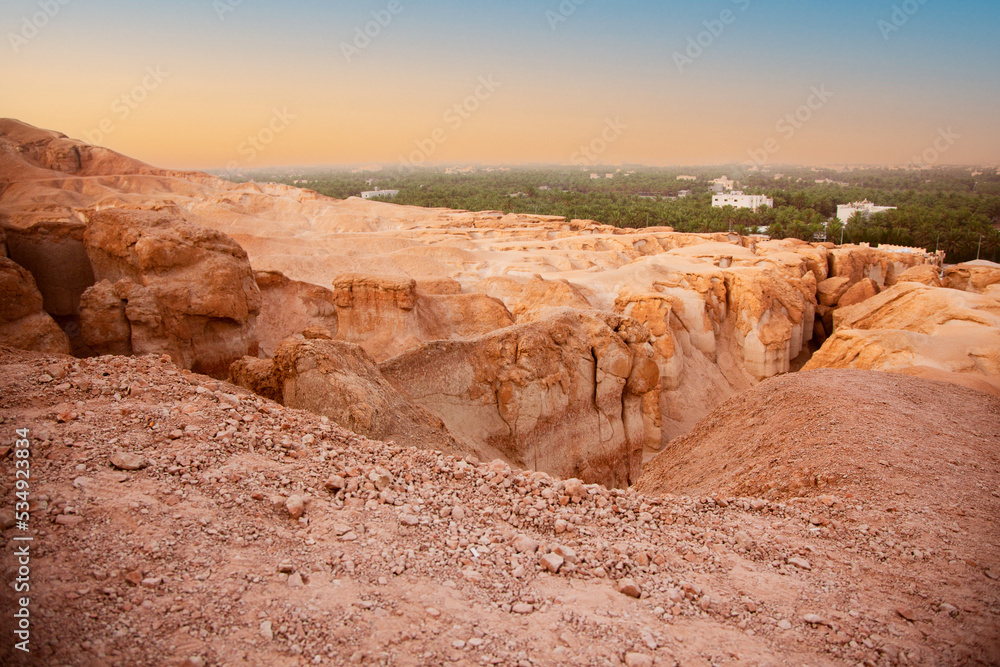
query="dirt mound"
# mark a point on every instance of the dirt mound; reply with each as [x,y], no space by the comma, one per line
[179,520]
[887,437]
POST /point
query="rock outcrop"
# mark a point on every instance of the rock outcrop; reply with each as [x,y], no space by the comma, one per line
[184,290]
[341,381]
[978,277]
[290,306]
[919,330]
[387,316]
[562,394]
[23,323]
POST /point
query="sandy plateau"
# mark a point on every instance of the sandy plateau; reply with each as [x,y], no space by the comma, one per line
[272,428]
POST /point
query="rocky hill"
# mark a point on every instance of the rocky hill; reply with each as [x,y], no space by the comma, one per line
[468,438]
[181,520]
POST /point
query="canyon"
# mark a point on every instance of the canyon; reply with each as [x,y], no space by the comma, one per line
[631,402]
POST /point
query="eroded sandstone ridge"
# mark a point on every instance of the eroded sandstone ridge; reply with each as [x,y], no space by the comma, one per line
[455,307]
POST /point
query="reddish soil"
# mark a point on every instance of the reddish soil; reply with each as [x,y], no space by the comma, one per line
[825,518]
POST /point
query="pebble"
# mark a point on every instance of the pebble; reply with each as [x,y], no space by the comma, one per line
[551,562]
[630,588]
[638,660]
[522,608]
[296,506]
[800,563]
[525,545]
[266,630]
[127,461]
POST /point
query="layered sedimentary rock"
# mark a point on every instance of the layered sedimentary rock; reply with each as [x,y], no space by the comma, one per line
[387,315]
[562,394]
[980,277]
[341,381]
[919,330]
[23,323]
[184,290]
[722,311]
[290,306]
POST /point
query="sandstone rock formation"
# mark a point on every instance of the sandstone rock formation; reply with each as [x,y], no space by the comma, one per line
[979,277]
[563,393]
[341,381]
[289,307]
[387,316]
[184,290]
[911,327]
[23,323]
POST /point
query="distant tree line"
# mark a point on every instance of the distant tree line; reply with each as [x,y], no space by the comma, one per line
[946,208]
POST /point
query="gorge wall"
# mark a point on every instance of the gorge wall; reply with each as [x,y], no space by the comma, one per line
[562,345]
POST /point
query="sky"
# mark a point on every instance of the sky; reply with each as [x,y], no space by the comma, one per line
[211,84]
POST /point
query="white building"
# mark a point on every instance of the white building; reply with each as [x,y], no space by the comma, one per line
[371,194]
[740,200]
[723,184]
[865,207]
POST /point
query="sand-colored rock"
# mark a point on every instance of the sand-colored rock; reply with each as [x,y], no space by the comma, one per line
[857,262]
[925,274]
[562,394]
[860,291]
[978,276]
[289,307]
[104,324]
[830,290]
[341,381]
[23,323]
[188,291]
[387,316]
[913,326]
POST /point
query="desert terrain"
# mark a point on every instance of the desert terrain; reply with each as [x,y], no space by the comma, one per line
[270,427]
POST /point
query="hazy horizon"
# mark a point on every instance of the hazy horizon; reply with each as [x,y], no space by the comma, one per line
[215,84]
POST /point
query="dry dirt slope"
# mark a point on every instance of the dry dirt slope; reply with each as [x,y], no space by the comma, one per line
[406,557]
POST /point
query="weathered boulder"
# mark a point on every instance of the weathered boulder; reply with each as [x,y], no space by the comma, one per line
[920,330]
[104,326]
[188,291]
[290,306]
[860,291]
[23,323]
[562,394]
[341,381]
[829,291]
[975,277]
[925,274]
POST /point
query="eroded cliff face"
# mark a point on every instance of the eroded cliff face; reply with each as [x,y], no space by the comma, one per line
[563,393]
[657,328]
[167,286]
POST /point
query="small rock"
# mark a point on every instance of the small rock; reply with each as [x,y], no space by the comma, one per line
[630,588]
[265,630]
[335,483]
[551,562]
[409,520]
[815,619]
[457,513]
[522,608]
[296,506]
[134,577]
[69,520]
[432,612]
[524,544]
[800,563]
[286,568]
[906,613]
[575,488]
[295,581]
[128,461]
[151,582]
[7,519]
[638,660]
[785,624]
